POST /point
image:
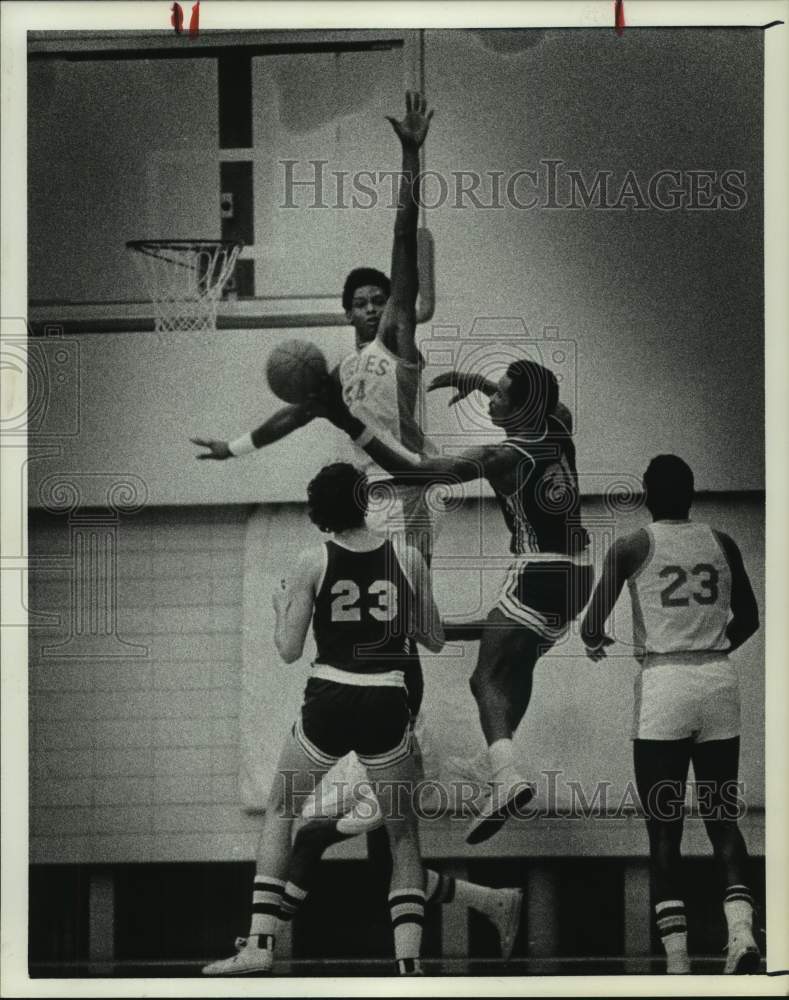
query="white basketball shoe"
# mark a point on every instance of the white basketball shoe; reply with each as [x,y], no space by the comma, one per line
[503,909]
[506,798]
[742,954]
[466,780]
[337,791]
[250,959]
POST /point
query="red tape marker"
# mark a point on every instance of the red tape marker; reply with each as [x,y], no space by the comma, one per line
[194,21]
[619,17]
[177,18]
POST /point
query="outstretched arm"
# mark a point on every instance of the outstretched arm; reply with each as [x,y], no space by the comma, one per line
[398,322]
[745,611]
[463,383]
[278,426]
[406,467]
[466,382]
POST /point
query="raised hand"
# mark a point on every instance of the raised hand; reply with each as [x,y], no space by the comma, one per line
[413,128]
[464,384]
[218,450]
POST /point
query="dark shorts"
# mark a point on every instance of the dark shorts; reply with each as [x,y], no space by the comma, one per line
[370,720]
[545,596]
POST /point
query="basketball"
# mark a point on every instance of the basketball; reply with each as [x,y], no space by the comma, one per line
[295,369]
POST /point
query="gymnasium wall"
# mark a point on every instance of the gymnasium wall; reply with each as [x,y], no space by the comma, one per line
[652,318]
[151,751]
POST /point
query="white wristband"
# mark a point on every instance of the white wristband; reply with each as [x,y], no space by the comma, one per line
[242,445]
[364,438]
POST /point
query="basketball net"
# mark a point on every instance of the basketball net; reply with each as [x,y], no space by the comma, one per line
[184,279]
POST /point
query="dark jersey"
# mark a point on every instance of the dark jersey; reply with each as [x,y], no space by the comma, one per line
[539,497]
[362,610]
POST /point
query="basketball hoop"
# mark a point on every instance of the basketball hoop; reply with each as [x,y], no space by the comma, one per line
[184,279]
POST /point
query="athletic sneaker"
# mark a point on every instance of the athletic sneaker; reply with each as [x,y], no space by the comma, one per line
[505,799]
[337,791]
[743,955]
[505,914]
[328,803]
[467,779]
[251,959]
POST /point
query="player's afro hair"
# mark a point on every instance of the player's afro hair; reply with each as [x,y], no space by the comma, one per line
[669,486]
[337,498]
[533,390]
[358,278]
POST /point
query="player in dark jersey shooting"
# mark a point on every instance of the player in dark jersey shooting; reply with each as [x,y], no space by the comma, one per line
[533,475]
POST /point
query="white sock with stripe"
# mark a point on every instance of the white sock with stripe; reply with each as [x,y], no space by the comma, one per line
[292,898]
[407,907]
[738,908]
[443,889]
[266,901]
[673,929]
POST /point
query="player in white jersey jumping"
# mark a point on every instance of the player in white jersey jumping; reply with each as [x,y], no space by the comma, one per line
[692,606]
[381,379]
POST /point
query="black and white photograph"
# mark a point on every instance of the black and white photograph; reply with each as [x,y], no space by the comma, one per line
[393,442]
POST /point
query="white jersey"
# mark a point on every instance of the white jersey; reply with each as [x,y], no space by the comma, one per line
[387,394]
[682,593]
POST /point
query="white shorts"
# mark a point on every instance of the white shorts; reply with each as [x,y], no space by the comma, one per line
[687,696]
